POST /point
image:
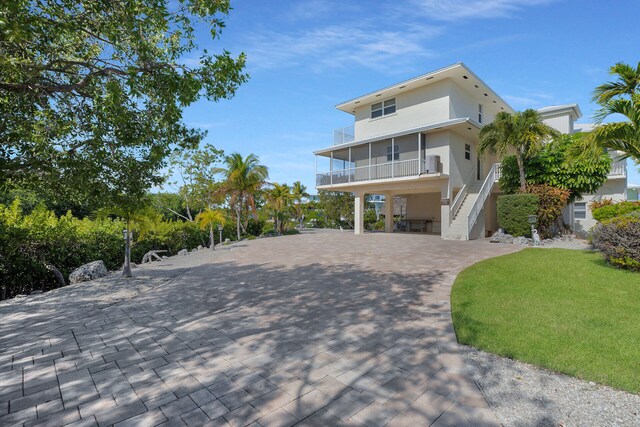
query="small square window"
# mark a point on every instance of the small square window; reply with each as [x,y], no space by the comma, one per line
[467,151]
[580,210]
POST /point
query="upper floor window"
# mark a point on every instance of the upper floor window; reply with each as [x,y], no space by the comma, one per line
[479,113]
[467,151]
[395,154]
[384,108]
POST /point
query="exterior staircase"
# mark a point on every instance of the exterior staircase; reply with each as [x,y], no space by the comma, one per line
[469,204]
[458,227]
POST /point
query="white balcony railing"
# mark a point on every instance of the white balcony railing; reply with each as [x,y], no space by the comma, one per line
[343,135]
[388,170]
[618,169]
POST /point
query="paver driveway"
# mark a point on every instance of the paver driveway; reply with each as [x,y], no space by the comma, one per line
[324,328]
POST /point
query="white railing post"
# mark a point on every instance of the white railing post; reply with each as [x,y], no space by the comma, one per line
[393,154]
[369,161]
[349,179]
[331,170]
[419,153]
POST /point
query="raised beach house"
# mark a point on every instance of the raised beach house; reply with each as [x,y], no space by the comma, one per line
[418,139]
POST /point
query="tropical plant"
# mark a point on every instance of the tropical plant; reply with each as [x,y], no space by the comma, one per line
[513,213]
[554,165]
[522,132]
[603,211]
[619,97]
[551,200]
[279,199]
[299,192]
[338,207]
[244,179]
[209,218]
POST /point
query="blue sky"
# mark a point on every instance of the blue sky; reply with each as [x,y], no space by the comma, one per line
[306,56]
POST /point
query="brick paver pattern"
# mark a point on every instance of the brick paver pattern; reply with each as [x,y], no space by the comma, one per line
[323,328]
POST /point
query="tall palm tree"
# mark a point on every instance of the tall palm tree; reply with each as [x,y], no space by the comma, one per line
[298,192]
[279,201]
[522,132]
[619,97]
[210,218]
[244,179]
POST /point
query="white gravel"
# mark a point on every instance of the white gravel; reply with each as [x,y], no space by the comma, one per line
[524,395]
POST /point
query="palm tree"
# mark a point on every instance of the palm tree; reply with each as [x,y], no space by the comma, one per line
[244,179]
[522,132]
[278,201]
[298,192]
[619,97]
[210,218]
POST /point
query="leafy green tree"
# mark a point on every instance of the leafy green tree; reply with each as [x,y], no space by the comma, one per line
[197,170]
[522,132]
[279,200]
[619,97]
[299,192]
[209,218]
[338,206]
[90,88]
[244,178]
[554,165]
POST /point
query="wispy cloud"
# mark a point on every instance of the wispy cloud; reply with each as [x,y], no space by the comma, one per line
[454,10]
[334,47]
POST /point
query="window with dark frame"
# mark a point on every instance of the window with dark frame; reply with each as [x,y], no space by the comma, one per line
[383,108]
[467,151]
[479,113]
[396,152]
[580,210]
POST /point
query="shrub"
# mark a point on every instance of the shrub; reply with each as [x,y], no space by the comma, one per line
[607,211]
[551,200]
[378,225]
[513,213]
[600,203]
[618,239]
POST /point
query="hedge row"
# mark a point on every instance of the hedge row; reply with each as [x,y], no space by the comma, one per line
[31,242]
[618,239]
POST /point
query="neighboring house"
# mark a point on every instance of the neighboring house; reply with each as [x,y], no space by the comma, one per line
[418,139]
[633,191]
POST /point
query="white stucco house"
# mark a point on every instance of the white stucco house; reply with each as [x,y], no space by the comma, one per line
[418,139]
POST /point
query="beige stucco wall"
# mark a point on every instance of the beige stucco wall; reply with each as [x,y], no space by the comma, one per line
[460,168]
[562,123]
[614,189]
[419,107]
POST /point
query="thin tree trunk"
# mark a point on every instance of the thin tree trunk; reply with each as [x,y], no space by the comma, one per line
[126,270]
[238,222]
[211,242]
[523,182]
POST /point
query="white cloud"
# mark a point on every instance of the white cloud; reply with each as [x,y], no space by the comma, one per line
[338,46]
[454,10]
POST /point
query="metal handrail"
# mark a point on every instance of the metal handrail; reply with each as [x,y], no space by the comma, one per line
[484,192]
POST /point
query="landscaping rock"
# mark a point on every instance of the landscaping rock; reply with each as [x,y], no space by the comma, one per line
[183,252]
[93,270]
[200,247]
[501,237]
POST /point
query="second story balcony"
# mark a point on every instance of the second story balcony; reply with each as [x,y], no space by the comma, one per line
[343,135]
[618,169]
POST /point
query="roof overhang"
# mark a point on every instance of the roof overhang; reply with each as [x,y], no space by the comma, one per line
[456,72]
[452,124]
[561,110]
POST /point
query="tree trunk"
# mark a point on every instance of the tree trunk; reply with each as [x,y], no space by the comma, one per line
[126,270]
[238,222]
[211,242]
[523,182]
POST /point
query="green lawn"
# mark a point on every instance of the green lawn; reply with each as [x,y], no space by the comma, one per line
[565,310]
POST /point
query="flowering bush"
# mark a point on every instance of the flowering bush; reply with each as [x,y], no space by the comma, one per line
[551,200]
[606,210]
